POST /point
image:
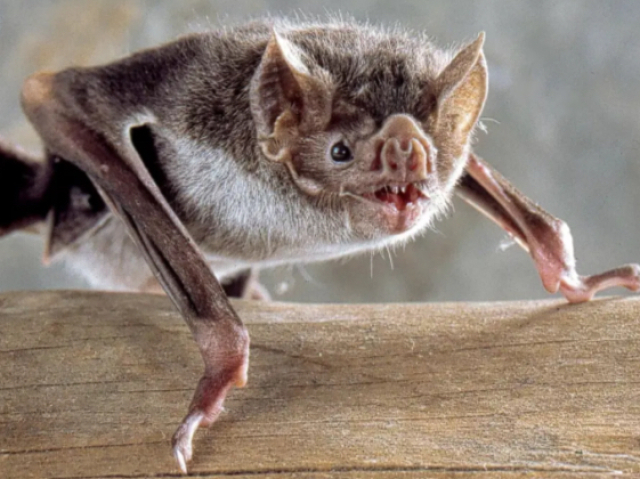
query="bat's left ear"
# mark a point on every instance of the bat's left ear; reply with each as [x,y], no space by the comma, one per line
[461,91]
[290,96]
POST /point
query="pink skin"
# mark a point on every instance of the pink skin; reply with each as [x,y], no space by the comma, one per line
[403,170]
[546,238]
[205,407]
[404,158]
[225,351]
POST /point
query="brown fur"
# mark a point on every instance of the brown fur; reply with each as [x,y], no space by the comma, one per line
[222,144]
[205,143]
[259,145]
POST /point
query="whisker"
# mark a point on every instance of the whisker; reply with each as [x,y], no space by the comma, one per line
[390,258]
[371,253]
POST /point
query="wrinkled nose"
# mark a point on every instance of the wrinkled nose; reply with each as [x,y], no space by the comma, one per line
[404,149]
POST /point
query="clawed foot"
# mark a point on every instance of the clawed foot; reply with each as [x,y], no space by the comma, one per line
[221,373]
[582,288]
[551,246]
[547,239]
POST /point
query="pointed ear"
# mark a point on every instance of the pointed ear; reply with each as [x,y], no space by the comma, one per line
[461,90]
[289,96]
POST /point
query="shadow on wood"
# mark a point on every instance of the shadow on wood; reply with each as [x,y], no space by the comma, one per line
[94,384]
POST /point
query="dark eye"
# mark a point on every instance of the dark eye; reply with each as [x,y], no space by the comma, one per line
[341,152]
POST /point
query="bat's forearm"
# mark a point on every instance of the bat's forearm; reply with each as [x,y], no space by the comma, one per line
[127,186]
[546,238]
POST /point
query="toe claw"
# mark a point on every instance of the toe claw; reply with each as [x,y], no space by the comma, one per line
[183,439]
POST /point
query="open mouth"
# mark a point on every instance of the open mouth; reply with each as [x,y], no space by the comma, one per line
[401,197]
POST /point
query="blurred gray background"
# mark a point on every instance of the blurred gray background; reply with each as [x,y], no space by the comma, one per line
[563,120]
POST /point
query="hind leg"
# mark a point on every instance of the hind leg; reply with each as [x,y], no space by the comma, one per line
[246,285]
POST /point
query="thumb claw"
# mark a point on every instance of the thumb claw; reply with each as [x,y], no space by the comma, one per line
[183,439]
[207,403]
[181,460]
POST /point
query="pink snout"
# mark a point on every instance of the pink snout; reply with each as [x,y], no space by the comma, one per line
[404,150]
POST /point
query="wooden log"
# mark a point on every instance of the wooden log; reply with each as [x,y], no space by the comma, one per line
[93,385]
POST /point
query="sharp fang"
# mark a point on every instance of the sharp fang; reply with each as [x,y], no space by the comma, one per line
[403,189]
[394,189]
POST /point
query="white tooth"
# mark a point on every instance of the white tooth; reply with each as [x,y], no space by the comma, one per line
[394,189]
[403,189]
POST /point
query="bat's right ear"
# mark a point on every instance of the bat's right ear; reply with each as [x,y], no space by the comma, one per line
[290,96]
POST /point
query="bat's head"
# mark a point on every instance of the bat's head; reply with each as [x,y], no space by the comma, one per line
[377,128]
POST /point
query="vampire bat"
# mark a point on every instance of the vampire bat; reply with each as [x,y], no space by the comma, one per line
[261,145]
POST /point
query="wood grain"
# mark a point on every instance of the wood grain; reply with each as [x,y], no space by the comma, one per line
[93,385]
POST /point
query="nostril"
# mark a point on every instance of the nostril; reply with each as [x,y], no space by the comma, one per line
[391,154]
[419,159]
[412,164]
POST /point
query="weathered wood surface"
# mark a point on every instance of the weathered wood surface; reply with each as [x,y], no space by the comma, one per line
[93,385]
